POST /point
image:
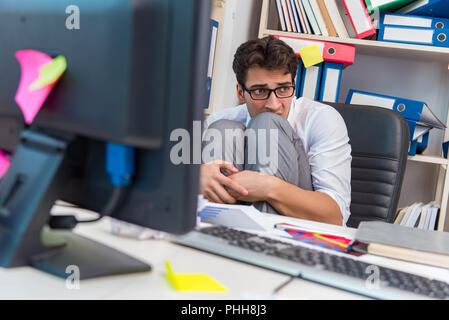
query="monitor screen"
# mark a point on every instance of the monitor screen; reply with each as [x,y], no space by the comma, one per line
[136,71]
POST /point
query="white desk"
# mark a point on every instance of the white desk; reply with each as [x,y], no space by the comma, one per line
[242,280]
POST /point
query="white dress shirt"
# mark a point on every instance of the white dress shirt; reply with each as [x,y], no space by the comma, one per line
[324,135]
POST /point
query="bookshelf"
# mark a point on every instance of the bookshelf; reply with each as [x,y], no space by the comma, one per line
[269,25]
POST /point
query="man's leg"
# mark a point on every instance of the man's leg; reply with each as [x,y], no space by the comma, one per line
[224,140]
[273,147]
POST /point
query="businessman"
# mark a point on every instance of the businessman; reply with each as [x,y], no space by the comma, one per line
[310,178]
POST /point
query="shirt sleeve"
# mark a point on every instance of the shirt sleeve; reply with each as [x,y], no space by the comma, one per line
[329,154]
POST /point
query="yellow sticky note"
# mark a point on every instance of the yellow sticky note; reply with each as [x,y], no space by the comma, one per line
[192,281]
[49,73]
[311,55]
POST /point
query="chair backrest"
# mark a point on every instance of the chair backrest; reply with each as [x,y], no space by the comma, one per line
[379,140]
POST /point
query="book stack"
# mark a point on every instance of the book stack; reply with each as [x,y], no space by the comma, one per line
[333,18]
[419,215]
[419,116]
[409,244]
[422,22]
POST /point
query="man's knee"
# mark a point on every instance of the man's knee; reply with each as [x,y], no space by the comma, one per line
[224,124]
[224,140]
[266,120]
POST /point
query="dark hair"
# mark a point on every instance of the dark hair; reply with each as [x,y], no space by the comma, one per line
[268,53]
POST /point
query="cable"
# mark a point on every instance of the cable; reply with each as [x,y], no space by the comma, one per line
[120,167]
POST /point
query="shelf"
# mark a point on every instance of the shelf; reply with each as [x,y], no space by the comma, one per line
[378,48]
[428,159]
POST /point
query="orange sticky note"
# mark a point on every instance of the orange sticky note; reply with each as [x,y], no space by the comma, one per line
[311,55]
[4,163]
[30,102]
[192,281]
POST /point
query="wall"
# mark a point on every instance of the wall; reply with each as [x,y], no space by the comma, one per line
[240,22]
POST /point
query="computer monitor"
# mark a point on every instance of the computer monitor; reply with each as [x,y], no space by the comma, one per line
[136,71]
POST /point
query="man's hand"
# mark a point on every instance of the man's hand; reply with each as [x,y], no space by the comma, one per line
[214,184]
[256,183]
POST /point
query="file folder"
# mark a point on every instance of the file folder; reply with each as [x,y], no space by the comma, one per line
[413,35]
[413,21]
[212,48]
[445,146]
[330,81]
[337,21]
[310,81]
[303,18]
[410,109]
[311,17]
[295,15]
[331,51]
[286,16]
[291,16]
[298,78]
[430,8]
[360,19]
[419,145]
[385,5]
[319,17]
[419,137]
[281,15]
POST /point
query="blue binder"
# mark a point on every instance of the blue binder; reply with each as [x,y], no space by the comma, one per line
[413,35]
[406,20]
[310,81]
[417,111]
[330,81]
[445,148]
[419,137]
[213,35]
[298,78]
[430,8]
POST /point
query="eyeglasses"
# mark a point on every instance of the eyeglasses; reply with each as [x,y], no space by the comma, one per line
[264,93]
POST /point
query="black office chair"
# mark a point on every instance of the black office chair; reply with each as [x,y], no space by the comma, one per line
[379,140]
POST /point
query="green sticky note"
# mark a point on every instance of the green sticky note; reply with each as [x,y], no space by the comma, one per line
[49,73]
[311,55]
[192,281]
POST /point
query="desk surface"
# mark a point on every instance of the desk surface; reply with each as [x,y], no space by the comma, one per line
[242,280]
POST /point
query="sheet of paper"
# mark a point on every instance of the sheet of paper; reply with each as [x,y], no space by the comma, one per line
[193,281]
[4,163]
[30,102]
[311,55]
[233,216]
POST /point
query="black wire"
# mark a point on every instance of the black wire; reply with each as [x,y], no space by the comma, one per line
[115,199]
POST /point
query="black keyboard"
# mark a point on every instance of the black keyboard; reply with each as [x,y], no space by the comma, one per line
[337,270]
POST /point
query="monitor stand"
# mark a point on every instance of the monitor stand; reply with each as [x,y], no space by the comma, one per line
[38,172]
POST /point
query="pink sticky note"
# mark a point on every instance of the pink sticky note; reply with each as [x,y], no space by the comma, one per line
[30,102]
[4,163]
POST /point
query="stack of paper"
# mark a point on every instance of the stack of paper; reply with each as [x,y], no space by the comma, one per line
[399,242]
[419,215]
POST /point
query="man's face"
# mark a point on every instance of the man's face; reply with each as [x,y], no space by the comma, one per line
[257,78]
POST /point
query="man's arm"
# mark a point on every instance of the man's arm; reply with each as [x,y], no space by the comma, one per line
[286,198]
